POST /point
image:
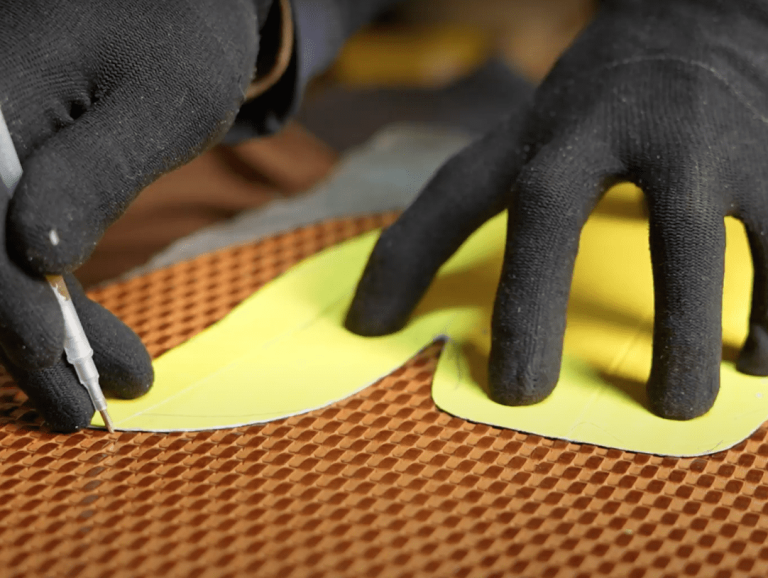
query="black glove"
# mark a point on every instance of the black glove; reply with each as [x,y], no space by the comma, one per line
[101,98]
[671,95]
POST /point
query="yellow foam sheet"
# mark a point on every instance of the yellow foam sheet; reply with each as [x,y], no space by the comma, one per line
[284,351]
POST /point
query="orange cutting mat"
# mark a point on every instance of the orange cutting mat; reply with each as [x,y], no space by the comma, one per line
[382,484]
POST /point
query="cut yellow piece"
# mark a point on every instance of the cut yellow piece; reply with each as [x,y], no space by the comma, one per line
[284,350]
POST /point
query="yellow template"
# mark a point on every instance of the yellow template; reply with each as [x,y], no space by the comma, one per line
[284,350]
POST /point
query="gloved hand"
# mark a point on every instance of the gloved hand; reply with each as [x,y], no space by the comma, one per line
[100,99]
[671,95]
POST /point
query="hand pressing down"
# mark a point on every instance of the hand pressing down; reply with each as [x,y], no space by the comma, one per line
[100,98]
[671,95]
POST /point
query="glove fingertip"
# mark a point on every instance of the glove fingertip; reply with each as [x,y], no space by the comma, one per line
[124,364]
[57,395]
[508,387]
[387,294]
[76,419]
[132,383]
[681,395]
[43,243]
[365,320]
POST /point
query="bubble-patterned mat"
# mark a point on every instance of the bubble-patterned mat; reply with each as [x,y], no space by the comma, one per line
[380,485]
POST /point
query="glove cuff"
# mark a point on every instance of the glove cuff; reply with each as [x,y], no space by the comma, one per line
[275,49]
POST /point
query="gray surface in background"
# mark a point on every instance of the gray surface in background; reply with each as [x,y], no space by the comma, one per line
[384,174]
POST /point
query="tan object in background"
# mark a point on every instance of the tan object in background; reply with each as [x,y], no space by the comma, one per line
[530,34]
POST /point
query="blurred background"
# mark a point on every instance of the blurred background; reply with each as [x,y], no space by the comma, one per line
[528,34]
[455,63]
[451,63]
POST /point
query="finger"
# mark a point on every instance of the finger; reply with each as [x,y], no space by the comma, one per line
[466,191]
[31,324]
[753,358]
[125,367]
[687,237]
[554,196]
[56,393]
[82,179]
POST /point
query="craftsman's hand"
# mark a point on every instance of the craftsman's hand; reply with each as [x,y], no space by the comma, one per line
[101,98]
[669,94]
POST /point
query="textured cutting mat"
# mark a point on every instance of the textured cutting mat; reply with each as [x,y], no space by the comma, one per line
[379,485]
